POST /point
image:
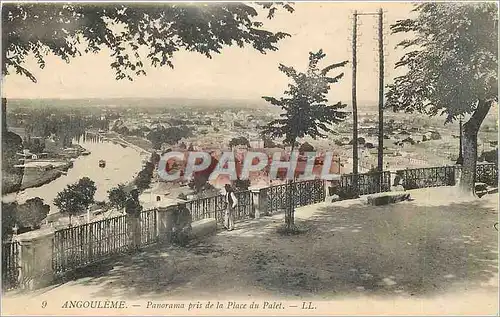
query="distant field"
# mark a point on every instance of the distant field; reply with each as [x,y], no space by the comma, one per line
[137,103]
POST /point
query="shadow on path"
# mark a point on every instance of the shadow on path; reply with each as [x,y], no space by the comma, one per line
[401,249]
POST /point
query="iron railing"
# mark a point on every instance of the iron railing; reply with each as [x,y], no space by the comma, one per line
[303,193]
[10,265]
[427,177]
[487,173]
[365,183]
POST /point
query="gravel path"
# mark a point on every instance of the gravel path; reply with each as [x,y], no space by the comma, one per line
[432,255]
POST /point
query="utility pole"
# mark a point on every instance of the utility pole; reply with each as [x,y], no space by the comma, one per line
[354,104]
[460,159]
[380,161]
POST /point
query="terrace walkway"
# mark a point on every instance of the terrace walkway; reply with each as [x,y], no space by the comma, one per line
[436,254]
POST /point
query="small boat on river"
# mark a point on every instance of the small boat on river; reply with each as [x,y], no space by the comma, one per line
[102,163]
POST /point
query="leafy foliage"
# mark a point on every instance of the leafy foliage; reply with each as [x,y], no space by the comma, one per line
[132,205]
[76,198]
[182,225]
[269,143]
[32,213]
[239,141]
[8,218]
[199,181]
[35,145]
[118,196]
[170,135]
[143,178]
[490,156]
[133,33]
[451,58]
[306,112]
[155,158]
[11,177]
[241,184]
[306,147]
[452,63]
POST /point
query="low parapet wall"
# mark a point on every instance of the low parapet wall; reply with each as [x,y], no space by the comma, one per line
[203,228]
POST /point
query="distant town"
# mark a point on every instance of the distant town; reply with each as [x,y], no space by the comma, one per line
[52,138]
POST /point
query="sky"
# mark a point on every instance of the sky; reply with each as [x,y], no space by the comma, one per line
[236,73]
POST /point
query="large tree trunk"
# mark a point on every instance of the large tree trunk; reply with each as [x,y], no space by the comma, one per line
[469,139]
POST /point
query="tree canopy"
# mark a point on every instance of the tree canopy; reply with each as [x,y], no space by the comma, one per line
[305,108]
[118,196]
[306,111]
[306,147]
[450,57]
[239,141]
[76,198]
[451,62]
[133,33]
[32,213]
[170,135]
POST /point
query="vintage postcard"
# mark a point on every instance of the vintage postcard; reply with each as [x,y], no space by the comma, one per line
[249,158]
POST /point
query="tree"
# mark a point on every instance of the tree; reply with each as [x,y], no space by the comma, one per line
[11,144]
[8,218]
[306,147]
[155,158]
[241,184]
[118,197]
[143,178]
[76,198]
[32,213]
[133,206]
[451,63]
[87,189]
[305,110]
[490,156]
[170,135]
[239,141]
[129,32]
[36,146]
[199,181]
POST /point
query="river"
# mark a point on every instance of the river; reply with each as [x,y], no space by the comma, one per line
[122,164]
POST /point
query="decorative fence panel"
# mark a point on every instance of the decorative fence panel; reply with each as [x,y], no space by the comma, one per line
[309,192]
[88,243]
[209,207]
[244,209]
[148,227]
[303,193]
[487,173]
[10,265]
[85,244]
[368,183]
[276,197]
[215,207]
[427,177]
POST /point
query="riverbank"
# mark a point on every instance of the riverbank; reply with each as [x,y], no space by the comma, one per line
[139,144]
[33,177]
[40,179]
[36,173]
